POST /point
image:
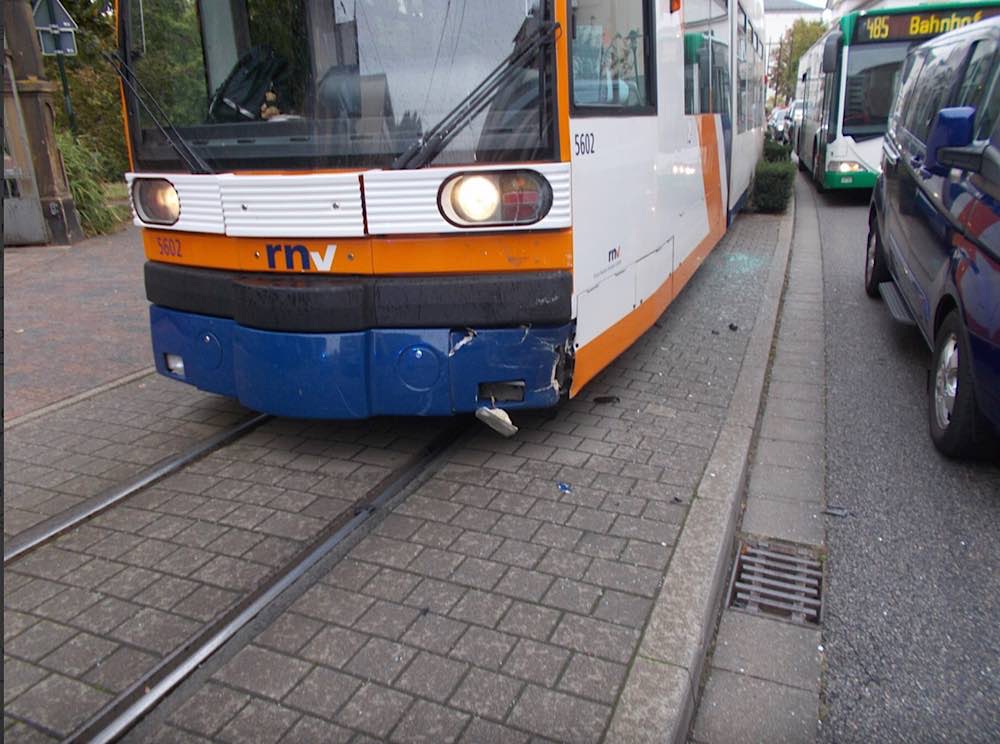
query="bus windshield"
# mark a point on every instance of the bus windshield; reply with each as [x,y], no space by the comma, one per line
[872,73]
[300,84]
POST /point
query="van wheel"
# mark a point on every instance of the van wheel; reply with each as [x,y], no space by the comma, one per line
[955,420]
[876,271]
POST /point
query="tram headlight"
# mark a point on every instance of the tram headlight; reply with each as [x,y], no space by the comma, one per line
[845,166]
[514,197]
[156,201]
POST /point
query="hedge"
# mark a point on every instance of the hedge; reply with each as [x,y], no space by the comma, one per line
[776,152]
[773,185]
[85,169]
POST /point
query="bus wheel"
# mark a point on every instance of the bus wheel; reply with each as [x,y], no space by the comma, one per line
[875,268]
[817,174]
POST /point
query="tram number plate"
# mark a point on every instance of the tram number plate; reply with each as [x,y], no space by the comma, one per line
[583,144]
[169,247]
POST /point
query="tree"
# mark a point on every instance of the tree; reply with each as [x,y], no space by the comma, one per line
[785,65]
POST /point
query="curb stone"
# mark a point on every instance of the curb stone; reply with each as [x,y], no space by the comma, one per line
[658,700]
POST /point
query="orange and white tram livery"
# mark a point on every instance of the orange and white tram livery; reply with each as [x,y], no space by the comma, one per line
[366,207]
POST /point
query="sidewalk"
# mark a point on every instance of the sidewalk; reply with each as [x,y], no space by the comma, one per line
[562,584]
[763,681]
[75,318]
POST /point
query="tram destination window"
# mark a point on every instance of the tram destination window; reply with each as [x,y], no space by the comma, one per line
[611,50]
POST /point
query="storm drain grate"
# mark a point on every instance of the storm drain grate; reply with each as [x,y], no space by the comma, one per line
[783,581]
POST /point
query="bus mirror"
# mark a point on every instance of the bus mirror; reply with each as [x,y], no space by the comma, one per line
[831,52]
[952,129]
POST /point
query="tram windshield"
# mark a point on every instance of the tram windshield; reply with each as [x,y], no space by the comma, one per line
[300,84]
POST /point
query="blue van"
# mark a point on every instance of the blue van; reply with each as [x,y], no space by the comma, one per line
[933,248]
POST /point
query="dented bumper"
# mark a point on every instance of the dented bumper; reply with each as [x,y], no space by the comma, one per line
[379,371]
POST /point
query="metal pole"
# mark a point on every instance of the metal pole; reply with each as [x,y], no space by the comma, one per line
[62,69]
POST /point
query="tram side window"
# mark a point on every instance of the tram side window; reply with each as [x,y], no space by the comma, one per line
[610,52]
[742,73]
[706,57]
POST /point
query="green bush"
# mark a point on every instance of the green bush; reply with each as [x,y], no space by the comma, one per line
[84,171]
[773,185]
[776,152]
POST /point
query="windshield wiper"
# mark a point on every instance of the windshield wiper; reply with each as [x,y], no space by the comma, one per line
[533,35]
[191,159]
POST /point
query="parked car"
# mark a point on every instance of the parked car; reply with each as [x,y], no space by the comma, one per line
[777,125]
[793,119]
[933,249]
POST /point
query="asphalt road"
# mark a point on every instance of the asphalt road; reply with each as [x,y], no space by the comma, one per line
[913,598]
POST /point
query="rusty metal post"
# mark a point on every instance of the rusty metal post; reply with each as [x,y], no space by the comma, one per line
[36,93]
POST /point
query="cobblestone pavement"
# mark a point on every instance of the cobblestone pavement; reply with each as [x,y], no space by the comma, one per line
[74,317]
[501,600]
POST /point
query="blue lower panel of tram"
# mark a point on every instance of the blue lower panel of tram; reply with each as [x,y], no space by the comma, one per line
[430,372]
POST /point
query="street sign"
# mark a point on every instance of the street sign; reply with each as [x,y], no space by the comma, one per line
[56,28]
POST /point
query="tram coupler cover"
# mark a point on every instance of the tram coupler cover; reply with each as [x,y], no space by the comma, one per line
[497,419]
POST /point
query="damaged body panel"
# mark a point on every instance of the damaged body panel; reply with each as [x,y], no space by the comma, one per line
[372,372]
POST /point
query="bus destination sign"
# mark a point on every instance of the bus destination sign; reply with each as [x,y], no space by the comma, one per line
[907,26]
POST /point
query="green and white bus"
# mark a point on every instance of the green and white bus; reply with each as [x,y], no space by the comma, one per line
[847,81]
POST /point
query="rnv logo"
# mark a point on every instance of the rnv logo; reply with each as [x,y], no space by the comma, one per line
[308,260]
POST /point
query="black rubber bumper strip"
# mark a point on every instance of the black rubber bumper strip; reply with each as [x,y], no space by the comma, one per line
[331,304]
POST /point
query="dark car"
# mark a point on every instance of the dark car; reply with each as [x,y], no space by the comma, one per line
[934,228]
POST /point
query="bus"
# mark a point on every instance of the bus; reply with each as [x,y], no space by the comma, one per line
[427,207]
[848,81]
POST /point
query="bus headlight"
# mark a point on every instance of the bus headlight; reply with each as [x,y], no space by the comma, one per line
[515,197]
[845,166]
[156,201]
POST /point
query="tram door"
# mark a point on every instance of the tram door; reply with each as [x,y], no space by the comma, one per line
[613,131]
[23,221]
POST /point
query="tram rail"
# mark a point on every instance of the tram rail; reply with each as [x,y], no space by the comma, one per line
[47,530]
[126,710]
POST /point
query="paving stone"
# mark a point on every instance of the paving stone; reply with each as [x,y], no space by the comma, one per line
[155,630]
[481,731]
[380,660]
[310,730]
[209,709]
[487,694]
[332,646]
[436,563]
[769,649]
[559,716]
[529,621]
[393,585]
[478,573]
[78,655]
[350,574]
[259,721]
[435,633]
[374,710]
[323,691]
[739,707]
[435,596]
[387,619]
[40,639]
[623,609]
[574,596]
[483,647]
[596,638]
[333,605]
[245,672]
[784,520]
[58,703]
[289,633]
[427,722]
[476,544]
[205,603]
[18,676]
[593,678]
[119,670]
[482,608]
[536,662]
[526,585]
[634,579]
[432,676]
[381,550]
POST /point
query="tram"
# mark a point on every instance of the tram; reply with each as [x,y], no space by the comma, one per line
[848,79]
[354,208]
